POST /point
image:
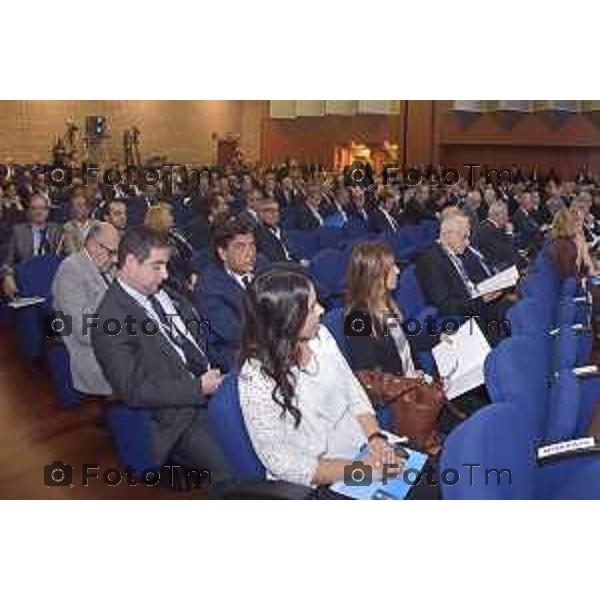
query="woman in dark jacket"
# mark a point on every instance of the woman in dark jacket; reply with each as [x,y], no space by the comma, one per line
[371,278]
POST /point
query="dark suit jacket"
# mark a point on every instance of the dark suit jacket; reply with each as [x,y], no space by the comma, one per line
[496,245]
[380,224]
[219,298]
[443,286]
[198,232]
[145,372]
[269,245]
[305,218]
[248,220]
[530,237]
[357,220]
[20,245]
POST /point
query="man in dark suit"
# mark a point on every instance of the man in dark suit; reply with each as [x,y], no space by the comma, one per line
[154,360]
[249,217]
[359,219]
[34,238]
[220,295]
[383,217]
[308,214]
[448,279]
[337,212]
[530,238]
[495,237]
[270,239]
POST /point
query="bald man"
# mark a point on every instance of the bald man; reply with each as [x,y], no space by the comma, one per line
[78,287]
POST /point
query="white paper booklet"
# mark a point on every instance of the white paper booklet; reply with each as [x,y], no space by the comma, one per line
[460,358]
[23,302]
[500,281]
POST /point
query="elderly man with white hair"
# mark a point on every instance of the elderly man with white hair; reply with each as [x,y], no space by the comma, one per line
[449,271]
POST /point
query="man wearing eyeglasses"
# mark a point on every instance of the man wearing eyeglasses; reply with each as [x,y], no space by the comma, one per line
[78,288]
[34,238]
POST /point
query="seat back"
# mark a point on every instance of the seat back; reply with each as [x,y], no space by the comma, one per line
[496,440]
[137,207]
[302,244]
[34,276]
[517,372]
[408,294]
[60,369]
[131,430]
[564,405]
[327,268]
[227,423]
[334,321]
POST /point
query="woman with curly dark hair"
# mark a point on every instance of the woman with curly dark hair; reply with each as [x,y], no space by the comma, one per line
[305,411]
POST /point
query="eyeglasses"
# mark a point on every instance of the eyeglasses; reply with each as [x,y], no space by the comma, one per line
[110,251]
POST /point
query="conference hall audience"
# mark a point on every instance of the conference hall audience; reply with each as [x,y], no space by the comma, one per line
[302,405]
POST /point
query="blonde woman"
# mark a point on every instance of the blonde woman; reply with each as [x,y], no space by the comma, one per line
[568,248]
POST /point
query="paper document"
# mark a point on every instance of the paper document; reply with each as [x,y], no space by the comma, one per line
[460,359]
[500,281]
[23,302]
[395,488]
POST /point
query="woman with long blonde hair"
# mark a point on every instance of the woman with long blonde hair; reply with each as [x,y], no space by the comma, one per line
[568,248]
[371,278]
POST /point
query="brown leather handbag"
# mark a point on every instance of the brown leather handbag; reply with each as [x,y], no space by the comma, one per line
[415,406]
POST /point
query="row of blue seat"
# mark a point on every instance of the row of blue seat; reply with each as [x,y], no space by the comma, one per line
[537,399]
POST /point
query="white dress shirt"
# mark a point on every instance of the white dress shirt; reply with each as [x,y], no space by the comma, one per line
[178,327]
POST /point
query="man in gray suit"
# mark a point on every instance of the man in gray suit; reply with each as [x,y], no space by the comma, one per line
[33,238]
[78,288]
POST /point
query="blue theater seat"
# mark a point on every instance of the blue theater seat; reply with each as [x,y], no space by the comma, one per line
[227,423]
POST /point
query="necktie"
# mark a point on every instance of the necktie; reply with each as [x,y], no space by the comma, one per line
[277,233]
[246,279]
[482,262]
[43,244]
[105,279]
[458,263]
[196,361]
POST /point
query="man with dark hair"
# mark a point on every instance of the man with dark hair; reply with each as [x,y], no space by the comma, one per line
[270,239]
[249,216]
[116,215]
[309,215]
[529,235]
[155,360]
[222,287]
